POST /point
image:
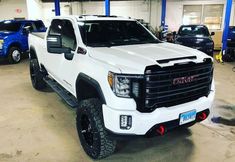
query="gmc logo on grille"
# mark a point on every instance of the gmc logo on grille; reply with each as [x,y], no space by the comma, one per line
[184,80]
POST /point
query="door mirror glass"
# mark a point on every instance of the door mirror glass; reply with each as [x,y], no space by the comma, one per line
[54,45]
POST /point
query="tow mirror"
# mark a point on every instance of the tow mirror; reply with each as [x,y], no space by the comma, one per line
[54,45]
[212,33]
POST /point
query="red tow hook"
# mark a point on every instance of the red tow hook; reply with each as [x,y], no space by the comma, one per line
[161,130]
[202,116]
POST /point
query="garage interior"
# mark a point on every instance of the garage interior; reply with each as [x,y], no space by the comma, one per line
[39,126]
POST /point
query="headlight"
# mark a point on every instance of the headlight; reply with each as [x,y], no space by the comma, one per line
[210,44]
[125,85]
[1,42]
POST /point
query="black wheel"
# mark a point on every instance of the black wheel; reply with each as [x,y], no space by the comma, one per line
[14,55]
[91,130]
[36,75]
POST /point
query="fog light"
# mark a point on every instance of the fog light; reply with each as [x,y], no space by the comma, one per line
[125,122]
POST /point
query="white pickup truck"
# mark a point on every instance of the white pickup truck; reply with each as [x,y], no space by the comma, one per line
[120,78]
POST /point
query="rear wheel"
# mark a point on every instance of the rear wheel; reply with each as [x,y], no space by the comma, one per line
[91,130]
[36,75]
[14,55]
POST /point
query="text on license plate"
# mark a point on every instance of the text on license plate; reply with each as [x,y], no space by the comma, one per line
[187,117]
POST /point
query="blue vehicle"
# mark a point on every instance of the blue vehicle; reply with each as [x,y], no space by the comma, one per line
[230,49]
[14,37]
[196,36]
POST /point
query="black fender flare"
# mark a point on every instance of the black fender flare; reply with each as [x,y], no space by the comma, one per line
[92,82]
[32,53]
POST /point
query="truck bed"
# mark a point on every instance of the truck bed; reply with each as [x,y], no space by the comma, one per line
[39,34]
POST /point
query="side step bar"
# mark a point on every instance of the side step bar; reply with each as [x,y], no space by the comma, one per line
[63,93]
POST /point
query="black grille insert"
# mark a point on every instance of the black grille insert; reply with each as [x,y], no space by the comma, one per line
[178,84]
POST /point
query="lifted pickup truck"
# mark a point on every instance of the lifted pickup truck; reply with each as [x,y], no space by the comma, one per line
[14,37]
[121,78]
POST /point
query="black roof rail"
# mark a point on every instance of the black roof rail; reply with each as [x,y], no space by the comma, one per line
[98,16]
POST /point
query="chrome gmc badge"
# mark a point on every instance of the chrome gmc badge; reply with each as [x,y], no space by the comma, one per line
[184,80]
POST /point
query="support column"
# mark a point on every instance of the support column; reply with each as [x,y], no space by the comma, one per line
[107,7]
[226,24]
[163,16]
[57,7]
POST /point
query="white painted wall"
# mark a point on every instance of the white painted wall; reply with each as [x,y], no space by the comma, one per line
[48,11]
[174,11]
[135,9]
[9,8]
[139,9]
[34,8]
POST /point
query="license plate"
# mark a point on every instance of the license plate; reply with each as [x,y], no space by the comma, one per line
[187,117]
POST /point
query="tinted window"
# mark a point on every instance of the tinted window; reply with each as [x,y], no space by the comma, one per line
[111,33]
[65,29]
[39,25]
[193,30]
[10,26]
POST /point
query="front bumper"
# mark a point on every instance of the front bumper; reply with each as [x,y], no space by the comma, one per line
[143,122]
[208,50]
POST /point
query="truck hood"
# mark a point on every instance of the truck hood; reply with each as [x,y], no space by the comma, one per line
[3,34]
[134,58]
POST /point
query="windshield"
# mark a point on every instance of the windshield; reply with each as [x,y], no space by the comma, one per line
[193,30]
[9,26]
[114,33]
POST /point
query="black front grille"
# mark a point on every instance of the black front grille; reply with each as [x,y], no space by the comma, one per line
[161,90]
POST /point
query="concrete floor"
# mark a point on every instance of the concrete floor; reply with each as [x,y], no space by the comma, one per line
[40,127]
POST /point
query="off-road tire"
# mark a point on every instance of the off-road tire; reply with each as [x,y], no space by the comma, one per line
[36,75]
[101,145]
[11,58]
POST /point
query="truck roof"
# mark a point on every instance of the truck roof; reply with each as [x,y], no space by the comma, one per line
[96,17]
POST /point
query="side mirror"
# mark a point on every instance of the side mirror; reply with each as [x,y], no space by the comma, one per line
[212,33]
[174,33]
[54,45]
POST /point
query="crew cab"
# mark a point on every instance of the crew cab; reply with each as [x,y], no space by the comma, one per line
[196,36]
[14,37]
[120,78]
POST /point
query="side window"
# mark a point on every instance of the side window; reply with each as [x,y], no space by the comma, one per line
[68,35]
[39,26]
[65,29]
[55,28]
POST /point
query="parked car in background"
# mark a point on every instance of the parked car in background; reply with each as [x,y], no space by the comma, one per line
[196,36]
[14,37]
[230,49]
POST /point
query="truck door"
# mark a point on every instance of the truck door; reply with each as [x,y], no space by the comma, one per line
[53,60]
[58,66]
[67,66]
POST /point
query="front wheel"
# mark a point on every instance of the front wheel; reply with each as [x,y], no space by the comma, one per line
[36,75]
[14,55]
[91,130]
